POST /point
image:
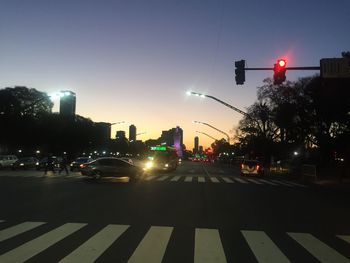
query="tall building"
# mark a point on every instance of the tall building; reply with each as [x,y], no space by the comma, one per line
[67,103]
[196,144]
[120,135]
[103,131]
[174,138]
[132,133]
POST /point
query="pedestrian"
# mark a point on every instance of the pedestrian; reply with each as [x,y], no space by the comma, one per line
[63,165]
[49,164]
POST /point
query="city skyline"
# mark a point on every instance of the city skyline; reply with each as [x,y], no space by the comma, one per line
[135,61]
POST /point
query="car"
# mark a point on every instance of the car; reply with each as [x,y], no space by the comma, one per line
[110,167]
[162,161]
[25,163]
[7,160]
[56,160]
[75,165]
[251,167]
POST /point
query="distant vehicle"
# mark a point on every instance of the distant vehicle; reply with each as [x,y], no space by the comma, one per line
[162,158]
[43,163]
[25,163]
[110,166]
[251,167]
[75,165]
[7,160]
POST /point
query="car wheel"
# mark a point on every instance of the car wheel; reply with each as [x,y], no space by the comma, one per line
[97,175]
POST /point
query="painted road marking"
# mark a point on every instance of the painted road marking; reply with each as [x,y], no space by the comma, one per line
[317,248]
[280,182]
[227,180]
[268,182]
[176,178]
[208,247]
[35,246]
[240,180]
[96,245]
[163,178]
[188,179]
[293,183]
[18,229]
[345,238]
[214,179]
[153,245]
[149,178]
[253,181]
[201,179]
[263,247]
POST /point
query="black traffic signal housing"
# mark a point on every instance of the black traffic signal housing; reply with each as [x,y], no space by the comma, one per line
[279,69]
[240,72]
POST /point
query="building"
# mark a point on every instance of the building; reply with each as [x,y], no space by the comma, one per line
[103,131]
[67,103]
[196,144]
[174,138]
[120,135]
[132,133]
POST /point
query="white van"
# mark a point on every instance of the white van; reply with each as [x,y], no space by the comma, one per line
[7,160]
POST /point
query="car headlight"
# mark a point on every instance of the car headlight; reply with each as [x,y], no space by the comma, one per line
[21,164]
[166,165]
[149,165]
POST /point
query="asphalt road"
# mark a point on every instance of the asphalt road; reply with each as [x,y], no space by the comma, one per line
[198,213]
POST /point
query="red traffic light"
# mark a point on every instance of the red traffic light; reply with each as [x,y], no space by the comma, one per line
[282,63]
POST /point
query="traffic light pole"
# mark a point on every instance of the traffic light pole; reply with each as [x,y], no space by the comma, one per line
[287,68]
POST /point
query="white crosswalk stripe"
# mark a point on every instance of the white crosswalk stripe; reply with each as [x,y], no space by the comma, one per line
[263,247]
[148,178]
[175,179]
[188,179]
[267,182]
[201,179]
[153,245]
[282,183]
[18,229]
[318,249]
[208,247]
[227,180]
[31,248]
[96,245]
[293,183]
[253,181]
[240,180]
[162,178]
[345,238]
[2,221]
[214,180]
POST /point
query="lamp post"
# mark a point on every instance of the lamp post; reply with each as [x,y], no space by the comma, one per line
[211,126]
[207,135]
[218,100]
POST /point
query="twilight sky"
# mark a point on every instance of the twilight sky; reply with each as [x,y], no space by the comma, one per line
[134,60]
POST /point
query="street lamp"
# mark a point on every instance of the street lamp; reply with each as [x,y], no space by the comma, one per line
[216,99]
[204,123]
[207,135]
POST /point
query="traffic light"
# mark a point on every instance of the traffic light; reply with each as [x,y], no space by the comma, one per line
[240,72]
[279,75]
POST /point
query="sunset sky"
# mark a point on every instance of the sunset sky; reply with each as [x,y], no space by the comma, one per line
[135,60]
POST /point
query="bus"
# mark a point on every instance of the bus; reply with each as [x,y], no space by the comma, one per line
[162,158]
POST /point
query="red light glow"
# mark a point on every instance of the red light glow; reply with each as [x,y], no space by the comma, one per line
[282,63]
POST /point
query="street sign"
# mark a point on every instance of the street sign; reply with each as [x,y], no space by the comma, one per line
[335,67]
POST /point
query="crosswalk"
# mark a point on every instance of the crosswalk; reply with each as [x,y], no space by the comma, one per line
[222,179]
[33,240]
[40,174]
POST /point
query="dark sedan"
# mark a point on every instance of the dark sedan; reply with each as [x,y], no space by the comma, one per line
[25,163]
[111,167]
[55,162]
[75,165]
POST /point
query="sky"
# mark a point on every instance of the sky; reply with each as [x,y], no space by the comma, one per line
[133,61]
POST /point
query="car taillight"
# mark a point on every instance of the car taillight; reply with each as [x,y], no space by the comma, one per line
[242,166]
[257,167]
[83,165]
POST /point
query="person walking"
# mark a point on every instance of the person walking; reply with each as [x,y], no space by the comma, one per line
[63,165]
[49,165]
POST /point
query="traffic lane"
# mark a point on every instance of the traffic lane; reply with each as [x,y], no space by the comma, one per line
[187,205]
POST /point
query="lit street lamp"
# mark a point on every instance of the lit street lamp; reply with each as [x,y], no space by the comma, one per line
[216,99]
[204,123]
